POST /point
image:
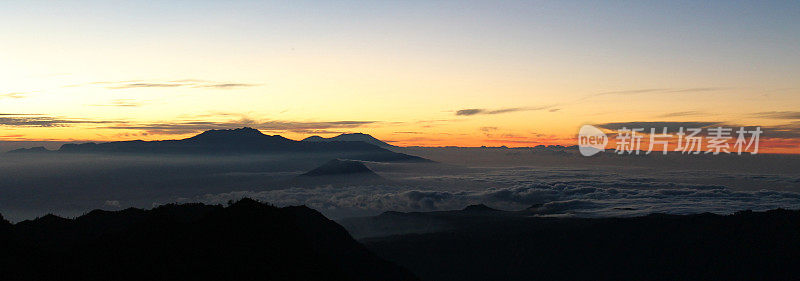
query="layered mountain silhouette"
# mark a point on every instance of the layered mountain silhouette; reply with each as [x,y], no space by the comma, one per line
[397,223]
[350,137]
[247,240]
[38,149]
[479,208]
[338,167]
[238,141]
[480,243]
[340,172]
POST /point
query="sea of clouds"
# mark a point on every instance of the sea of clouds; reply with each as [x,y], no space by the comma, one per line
[554,192]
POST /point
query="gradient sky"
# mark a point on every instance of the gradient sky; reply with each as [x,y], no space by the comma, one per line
[523,72]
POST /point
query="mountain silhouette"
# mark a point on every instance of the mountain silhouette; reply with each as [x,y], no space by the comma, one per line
[246,240]
[38,149]
[350,137]
[340,172]
[240,141]
[478,208]
[397,223]
[240,136]
[339,167]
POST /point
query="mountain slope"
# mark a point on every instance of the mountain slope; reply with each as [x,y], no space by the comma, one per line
[242,141]
[339,172]
[37,149]
[350,137]
[244,241]
[340,167]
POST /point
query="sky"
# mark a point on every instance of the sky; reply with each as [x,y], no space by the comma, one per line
[428,73]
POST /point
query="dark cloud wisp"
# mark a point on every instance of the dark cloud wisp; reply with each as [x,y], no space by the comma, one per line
[44,121]
[187,83]
[791,115]
[476,111]
[271,125]
[661,91]
[671,126]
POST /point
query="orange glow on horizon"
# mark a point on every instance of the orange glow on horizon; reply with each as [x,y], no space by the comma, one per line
[767,145]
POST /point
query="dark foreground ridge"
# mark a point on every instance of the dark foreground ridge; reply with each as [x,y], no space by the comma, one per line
[247,240]
[479,243]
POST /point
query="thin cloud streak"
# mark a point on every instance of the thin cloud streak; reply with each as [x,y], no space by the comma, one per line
[659,90]
[181,127]
[272,125]
[552,108]
[778,114]
[144,85]
[228,85]
[477,111]
[183,83]
[786,131]
[45,121]
[680,114]
[671,126]
[120,103]
[14,95]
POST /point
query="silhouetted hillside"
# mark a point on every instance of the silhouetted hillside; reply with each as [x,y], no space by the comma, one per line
[237,141]
[479,208]
[8,250]
[244,241]
[350,137]
[396,223]
[340,172]
[744,246]
[339,167]
[242,136]
[38,149]
[3,222]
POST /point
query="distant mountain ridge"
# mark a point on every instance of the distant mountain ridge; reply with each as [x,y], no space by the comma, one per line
[37,149]
[236,141]
[350,137]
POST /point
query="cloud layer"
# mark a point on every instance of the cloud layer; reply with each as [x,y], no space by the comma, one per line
[269,125]
[178,127]
[553,192]
[35,120]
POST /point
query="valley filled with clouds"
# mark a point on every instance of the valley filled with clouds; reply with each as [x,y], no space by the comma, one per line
[595,192]
[551,184]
